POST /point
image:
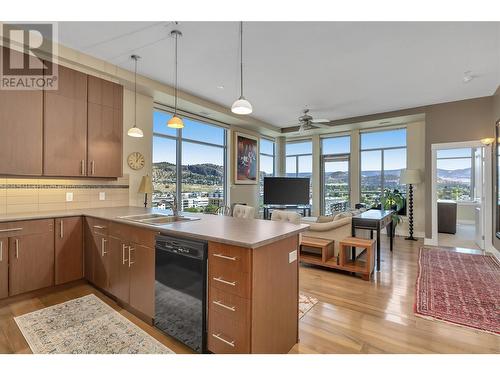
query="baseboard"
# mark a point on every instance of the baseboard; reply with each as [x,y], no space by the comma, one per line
[404,233]
[430,242]
[493,252]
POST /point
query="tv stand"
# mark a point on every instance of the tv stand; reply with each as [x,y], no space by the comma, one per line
[306,209]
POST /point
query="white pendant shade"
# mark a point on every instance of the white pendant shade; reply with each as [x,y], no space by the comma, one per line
[135,132]
[241,106]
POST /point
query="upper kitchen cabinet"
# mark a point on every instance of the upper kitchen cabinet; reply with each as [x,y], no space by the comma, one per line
[65,122]
[21,129]
[105,128]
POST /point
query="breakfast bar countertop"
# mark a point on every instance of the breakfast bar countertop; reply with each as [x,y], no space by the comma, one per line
[225,229]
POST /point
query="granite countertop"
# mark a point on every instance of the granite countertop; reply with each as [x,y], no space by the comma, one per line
[224,229]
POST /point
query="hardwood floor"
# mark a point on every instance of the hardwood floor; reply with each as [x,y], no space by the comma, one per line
[356,316]
[352,316]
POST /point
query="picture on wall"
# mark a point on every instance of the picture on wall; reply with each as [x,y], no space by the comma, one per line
[246,165]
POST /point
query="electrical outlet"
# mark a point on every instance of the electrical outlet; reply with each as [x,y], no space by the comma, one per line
[69,197]
[102,196]
[292,256]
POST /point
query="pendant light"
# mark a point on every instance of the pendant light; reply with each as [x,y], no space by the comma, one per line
[241,106]
[134,131]
[175,122]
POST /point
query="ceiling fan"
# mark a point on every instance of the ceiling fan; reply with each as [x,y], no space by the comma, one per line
[307,122]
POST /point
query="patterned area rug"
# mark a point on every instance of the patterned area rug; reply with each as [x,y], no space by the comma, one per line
[459,288]
[85,325]
[306,303]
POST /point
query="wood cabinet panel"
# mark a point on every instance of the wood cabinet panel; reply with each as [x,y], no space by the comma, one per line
[68,249]
[65,125]
[21,129]
[228,279]
[227,336]
[4,267]
[142,279]
[235,257]
[96,253]
[144,237]
[31,262]
[119,269]
[26,227]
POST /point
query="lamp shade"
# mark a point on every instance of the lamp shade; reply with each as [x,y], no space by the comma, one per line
[135,132]
[175,122]
[410,176]
[241,106]
[146,186]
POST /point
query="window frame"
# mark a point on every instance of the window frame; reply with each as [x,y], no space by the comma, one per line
[382,157]
[472,172]
[297,156]
[178,138]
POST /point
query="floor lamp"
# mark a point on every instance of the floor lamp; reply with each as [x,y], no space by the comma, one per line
[146,187]
[410,177]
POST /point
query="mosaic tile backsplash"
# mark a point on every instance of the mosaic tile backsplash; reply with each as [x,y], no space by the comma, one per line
[18,195]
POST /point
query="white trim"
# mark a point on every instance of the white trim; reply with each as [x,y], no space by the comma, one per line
[487,172]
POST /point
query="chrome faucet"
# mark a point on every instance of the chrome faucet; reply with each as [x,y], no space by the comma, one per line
[173,206]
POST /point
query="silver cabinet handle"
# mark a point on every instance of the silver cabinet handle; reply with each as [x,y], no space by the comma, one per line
[221,280]
[217,336]
[1,251]
[123,254]
[10,230]
[219,303]
[17,248]
[103,246]
[61,224]
[225,257]
[130,249]
[99,227]
[82,167]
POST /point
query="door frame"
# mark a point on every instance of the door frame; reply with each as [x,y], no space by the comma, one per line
[487,192]
[332,157]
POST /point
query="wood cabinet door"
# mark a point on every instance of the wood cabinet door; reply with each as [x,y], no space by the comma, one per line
[142,279]
[65,125]
[31,262]
[4,267]
[88,251]
[105,128]
[68,250]
[120,275]
[21,129]
[101,258]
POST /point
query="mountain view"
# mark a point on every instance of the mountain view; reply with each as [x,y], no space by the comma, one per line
[195,177]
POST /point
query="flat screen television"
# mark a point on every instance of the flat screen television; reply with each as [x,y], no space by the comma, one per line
[286,190]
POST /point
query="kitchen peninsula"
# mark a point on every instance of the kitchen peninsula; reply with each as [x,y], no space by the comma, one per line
[252,290]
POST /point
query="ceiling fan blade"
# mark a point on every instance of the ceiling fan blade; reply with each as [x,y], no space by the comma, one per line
[319,120]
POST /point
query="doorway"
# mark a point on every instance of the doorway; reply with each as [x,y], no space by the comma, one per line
[461,190]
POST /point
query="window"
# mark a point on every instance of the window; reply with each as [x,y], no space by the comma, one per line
[335,189]
[299,161]
[383,156]
[188,163]
[266,165]
[455,175]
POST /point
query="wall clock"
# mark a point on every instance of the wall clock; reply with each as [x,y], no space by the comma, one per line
[136,161]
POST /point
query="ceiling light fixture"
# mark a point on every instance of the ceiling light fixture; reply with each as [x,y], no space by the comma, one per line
[241,106]
[468,76]
[175,122]
[134,131]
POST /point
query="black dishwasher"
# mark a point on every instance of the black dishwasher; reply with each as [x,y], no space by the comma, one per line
[180,290]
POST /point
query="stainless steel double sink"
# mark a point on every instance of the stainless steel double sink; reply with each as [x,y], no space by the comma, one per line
[157,219]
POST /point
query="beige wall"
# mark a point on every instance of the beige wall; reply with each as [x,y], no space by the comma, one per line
[465,120]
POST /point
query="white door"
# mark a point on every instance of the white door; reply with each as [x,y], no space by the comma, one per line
[479,194]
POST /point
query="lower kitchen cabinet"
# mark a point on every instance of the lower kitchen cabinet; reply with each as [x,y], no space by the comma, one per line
[68,249]
[4,267]
[31,256]
[142,279]
[119,272]
[97,255]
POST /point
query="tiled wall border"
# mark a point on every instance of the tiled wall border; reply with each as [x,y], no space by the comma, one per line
[61,186]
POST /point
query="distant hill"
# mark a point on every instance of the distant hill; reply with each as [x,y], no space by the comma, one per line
[203,174]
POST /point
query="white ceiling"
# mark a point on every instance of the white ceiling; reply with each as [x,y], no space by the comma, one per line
[337,69]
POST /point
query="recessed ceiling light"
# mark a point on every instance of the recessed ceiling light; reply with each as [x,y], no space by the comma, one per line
[220,87]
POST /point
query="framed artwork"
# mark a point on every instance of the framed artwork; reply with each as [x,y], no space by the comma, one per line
[247,159]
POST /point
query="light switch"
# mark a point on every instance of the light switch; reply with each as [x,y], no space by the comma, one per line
[69,197]
[102,196]
[292,256]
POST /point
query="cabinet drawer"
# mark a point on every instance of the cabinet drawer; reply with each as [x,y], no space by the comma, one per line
[132,233]
[231,256]
[227,336]
[228,279]
[98,226]
[28,227]
[229,305]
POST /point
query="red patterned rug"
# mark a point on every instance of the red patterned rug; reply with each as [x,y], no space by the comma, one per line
[459,288]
